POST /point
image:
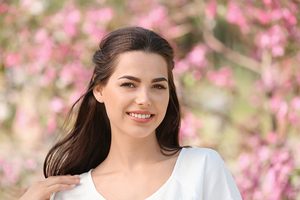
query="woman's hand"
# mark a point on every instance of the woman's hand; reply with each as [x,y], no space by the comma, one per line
[43,190]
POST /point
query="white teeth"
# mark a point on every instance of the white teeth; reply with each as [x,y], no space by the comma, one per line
[139,116]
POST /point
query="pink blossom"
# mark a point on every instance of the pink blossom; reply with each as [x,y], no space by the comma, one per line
[41,35]
[189,126]
[244,160]
[268,78]
[43,55]
[222,78]
[56,105]
[70,29]
[293,7]
[274,39]
[145,22]
[95,32]
[12,59]
[175,32]
[181,66]
[27,3]
[74,97]
[9,172]
[263,17]
[293,118]
[196,57]
[277,35]
[106,14]
[289,17]
[73,16]
[211,9]
[267,1]
[272,137]
[158,15]
[265,169]
[276,14]
[270,180]
[263,40]
[236,16]
[3,8]
[282,112]
[277,51]
[234,13]
[296,103]
[67,74]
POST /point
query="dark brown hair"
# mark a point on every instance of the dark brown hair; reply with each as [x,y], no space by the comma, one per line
[87,144]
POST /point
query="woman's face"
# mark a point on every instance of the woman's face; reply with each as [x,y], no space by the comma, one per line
[136,95]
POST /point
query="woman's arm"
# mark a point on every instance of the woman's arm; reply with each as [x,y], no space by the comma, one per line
[43,190]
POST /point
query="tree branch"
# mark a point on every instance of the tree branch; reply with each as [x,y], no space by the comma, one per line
[229,54]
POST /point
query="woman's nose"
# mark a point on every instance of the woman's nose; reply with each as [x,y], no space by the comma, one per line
[143,98]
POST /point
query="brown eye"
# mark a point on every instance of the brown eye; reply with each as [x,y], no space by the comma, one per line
[129,85]
[160,87]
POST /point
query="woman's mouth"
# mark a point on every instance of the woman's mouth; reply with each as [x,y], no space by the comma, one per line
[140,117]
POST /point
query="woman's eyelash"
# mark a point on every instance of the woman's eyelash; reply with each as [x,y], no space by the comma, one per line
[131,85]
[160,87]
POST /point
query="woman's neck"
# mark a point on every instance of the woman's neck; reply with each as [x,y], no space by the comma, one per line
[127,153]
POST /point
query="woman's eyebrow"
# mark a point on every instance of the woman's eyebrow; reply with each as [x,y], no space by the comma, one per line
[139,80]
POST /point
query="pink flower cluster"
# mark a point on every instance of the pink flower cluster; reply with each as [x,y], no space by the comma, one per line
[274,39]
[272,23]
[222,78]
[286,112]
[195,61]
[189,126]
[266,170]
[236,16]
[10,171]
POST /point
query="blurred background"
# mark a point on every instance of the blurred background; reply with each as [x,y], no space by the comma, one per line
[237,72]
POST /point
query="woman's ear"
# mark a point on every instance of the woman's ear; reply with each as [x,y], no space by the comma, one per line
[98,93]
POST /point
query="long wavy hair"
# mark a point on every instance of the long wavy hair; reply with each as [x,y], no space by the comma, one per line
[88,142]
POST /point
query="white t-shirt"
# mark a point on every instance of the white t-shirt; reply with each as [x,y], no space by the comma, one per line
[199,174]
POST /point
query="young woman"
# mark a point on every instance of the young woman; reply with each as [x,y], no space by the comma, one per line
[124,144]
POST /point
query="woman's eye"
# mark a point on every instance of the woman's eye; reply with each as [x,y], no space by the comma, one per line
[160,87]
[129,85]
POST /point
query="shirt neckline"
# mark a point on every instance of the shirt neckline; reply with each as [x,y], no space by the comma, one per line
[152,195]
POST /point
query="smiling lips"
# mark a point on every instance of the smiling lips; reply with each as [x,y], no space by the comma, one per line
[140,116]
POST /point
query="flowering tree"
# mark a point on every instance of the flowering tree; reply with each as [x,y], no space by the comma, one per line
[236,68]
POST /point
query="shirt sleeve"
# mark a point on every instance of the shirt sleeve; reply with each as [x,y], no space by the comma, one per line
[52,197]
[219,183]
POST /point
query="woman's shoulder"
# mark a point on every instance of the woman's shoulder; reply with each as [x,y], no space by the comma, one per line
[195,154]
[82,191]
[204,171]
[199,161]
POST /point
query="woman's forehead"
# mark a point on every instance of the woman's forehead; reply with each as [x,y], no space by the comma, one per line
[141,64]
